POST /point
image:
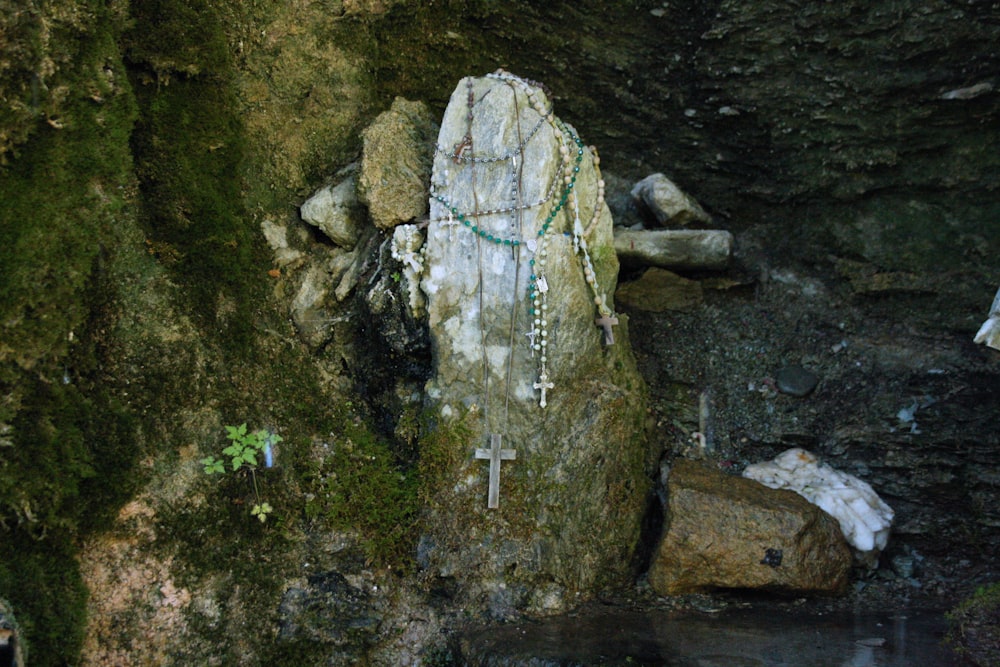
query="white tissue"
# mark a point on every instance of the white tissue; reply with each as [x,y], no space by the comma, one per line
[864,518]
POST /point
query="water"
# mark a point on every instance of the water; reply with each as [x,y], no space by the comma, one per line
[735,638]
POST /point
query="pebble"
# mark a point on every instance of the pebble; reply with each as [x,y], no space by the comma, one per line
[795,381]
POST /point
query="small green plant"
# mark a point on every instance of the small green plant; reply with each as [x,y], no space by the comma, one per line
[244,452]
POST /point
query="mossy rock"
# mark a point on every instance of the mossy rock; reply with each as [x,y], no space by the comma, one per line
[974,626]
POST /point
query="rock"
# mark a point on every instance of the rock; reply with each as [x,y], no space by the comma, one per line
[795,381]
[722,531]
[329,610]
[668,204]
[560,512]
[659,290]
[863,517]
[311,308]
[989,332]
[336,211]
[396,164]
[676,249]
[276,236]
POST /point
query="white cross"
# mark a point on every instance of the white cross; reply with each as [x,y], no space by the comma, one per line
[531,339]
[543,384]
[495,454]
[451,222]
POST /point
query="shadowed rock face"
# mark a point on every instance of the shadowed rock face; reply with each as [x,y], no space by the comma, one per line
[727,532]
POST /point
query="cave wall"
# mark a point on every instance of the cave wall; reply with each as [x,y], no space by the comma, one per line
[143,145]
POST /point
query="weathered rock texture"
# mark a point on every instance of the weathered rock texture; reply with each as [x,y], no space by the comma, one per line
[676,249]
[396,164]
[570,503]
[667,203]
[722,531]
[848,146]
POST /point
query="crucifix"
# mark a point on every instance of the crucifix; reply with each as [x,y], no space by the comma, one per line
[451,222]
[495,454]
[543,384]
[531,340]
[606,322]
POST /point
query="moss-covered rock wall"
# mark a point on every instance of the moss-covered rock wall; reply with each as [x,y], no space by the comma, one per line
[143,146]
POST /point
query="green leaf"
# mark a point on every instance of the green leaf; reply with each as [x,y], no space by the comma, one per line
[212,465]
[250,457]
[233,450]
[261,511]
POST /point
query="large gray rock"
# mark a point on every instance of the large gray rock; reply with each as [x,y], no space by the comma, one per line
[336,211]
[568,414]
[668,204]
[723,531]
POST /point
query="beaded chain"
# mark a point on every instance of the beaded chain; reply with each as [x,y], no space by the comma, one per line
[572,151]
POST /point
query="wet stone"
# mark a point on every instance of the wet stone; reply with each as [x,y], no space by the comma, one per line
[796,381]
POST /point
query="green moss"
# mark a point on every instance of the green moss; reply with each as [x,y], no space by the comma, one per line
[41,580]
[68,451]
[364,487]
[189,147]
[974,626]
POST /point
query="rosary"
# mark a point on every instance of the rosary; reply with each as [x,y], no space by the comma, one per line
[500,227]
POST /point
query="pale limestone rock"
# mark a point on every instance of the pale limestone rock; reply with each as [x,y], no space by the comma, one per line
[276,236]
[723,531]
[336,211]
[864,518]
[667,202]
[989,332]
[570,494]
[676,249]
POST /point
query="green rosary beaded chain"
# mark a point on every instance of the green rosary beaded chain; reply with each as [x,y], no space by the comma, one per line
[499,240]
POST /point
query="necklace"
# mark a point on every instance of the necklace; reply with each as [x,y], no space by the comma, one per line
[481,221]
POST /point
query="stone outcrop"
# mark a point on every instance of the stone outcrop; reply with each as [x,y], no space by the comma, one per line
[659,290]
[722,531]
[336,210]
[396,164]
[520,361]
[667,203]
[675,248]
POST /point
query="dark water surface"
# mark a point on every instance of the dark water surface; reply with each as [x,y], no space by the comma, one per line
[734,638]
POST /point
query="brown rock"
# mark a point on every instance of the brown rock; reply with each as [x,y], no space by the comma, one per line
[723,531]
[659,290]
[396,163]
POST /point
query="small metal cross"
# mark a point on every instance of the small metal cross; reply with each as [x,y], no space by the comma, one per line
[606,322]
[543,384]
[451,222]
[494,455]
[531,340]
